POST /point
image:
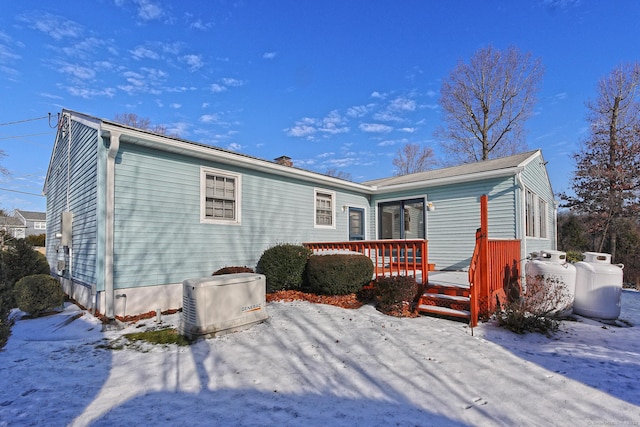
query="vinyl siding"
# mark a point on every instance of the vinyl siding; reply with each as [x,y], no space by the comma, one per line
[159,238]
[72,186]
[451,227]
[535,178]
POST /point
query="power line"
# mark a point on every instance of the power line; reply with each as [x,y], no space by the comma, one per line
[24,121]
[24,136]
[22,192]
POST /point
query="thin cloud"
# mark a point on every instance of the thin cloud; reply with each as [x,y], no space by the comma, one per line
[357,111]
[199,25]
[224,84]
[88,93]
[402,104]
[55,26]
[77,71]
[269,55]
[146,80]
[194,62]
[231,82]
[209,118]
[375,128]
[143,52]
[234,146]
[6,52]
[308,127]
[148,10]
[87,47]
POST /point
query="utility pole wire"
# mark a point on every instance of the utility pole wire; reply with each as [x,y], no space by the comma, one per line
[24,136]
[21,192]
[24,121]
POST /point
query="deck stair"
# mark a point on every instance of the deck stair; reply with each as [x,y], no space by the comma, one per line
[443,299]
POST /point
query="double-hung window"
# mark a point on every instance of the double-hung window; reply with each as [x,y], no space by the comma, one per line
[220,196]
[325,213]
[537,215]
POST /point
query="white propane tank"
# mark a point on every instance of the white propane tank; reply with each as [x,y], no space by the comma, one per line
[598,287]
[552,266]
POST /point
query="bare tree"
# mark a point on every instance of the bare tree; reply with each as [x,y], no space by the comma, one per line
[607,176]
[334,172]
[412,158]
[3,171]
[486,102]
[133,120]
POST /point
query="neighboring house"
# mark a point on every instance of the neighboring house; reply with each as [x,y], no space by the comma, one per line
[132,214]
[12,226]
[35,222]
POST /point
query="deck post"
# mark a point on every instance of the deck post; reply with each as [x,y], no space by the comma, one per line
[484,255]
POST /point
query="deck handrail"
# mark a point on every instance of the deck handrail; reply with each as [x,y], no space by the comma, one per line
[389,257]
[494,270]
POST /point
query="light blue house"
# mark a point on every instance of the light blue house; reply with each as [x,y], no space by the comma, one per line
[131,214]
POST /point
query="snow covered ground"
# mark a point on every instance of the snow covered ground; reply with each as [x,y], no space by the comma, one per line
[319,365]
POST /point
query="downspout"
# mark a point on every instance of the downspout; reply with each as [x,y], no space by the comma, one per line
[114,145]
[520,228]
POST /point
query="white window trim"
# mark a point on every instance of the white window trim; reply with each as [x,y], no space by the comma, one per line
[315,208]
[538,216]
[40,225]
[204,171]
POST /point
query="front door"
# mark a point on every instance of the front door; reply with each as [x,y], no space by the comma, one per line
[356,224]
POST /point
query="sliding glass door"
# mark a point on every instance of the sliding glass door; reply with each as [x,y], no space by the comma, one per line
[401,219]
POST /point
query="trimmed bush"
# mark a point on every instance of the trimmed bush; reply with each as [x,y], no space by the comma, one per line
[232,270]
[338,274]
[5,325]
[38,293]
[284,265]
[36,239]
[18,261]
[392,291]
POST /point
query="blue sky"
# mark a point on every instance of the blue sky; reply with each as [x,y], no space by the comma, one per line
[331,84]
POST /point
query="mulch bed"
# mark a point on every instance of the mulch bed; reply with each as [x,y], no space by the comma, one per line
[343,301]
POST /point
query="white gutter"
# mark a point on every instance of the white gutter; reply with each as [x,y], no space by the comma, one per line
[114,145]
[434,182]
[173,145]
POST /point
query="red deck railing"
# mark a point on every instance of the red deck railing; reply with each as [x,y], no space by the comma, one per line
[389,257]
[494,273]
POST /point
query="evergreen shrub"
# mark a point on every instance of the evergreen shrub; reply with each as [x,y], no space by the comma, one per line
[232,270]
[38,293]
[392,291]
[338,274]
[284,266]
[5,325]
[17,261]
[36,239]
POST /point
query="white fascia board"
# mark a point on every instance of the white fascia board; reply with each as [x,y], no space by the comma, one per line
[213,154]
[500,173]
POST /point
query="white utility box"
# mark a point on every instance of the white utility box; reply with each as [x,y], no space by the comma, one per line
[217,305]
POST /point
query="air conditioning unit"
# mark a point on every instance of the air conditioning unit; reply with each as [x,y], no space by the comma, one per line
[217,305]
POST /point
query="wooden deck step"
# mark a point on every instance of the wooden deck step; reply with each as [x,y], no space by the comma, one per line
[457,298]
[444,311]
[446,289]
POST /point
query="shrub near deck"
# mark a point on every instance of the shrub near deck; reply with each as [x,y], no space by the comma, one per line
[338,274]
[283,265]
